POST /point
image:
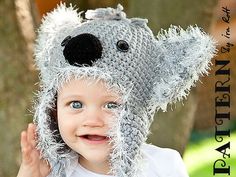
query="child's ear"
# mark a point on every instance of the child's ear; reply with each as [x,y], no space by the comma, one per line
[55,27]
[181,57]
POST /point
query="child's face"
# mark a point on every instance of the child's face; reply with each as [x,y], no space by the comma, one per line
[84,111]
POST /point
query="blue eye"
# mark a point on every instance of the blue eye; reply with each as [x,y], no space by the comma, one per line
[112,105]
[76,105]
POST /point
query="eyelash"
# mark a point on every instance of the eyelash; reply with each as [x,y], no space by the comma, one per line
[112,102]
[116,104]
[71,104]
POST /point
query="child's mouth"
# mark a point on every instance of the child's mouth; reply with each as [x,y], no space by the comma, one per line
[94,139]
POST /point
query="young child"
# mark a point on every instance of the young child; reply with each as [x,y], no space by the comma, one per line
[102,79]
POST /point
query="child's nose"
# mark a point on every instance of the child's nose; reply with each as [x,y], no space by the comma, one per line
[93,118]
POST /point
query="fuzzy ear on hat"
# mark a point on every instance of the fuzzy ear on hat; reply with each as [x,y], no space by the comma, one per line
[55,27]
[181,57]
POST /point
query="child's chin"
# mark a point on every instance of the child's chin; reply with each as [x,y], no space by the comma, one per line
[94,156]
[97,158]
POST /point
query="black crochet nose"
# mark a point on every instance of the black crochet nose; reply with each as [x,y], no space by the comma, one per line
[82,49]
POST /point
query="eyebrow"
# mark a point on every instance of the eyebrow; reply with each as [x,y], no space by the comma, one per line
[71,96]
[81,96]
[107,96]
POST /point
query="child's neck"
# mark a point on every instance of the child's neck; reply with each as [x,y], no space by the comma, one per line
[96,167]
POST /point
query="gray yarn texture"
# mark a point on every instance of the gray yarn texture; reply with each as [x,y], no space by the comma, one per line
[154,72]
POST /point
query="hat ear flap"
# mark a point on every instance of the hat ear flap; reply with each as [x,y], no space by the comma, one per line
[181,57]
[55,27]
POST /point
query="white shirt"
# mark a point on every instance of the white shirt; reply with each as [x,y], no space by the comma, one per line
[160,162]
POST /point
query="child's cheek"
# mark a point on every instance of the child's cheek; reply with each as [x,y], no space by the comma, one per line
[67,124]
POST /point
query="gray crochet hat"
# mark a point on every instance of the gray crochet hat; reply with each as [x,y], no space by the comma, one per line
[148,71]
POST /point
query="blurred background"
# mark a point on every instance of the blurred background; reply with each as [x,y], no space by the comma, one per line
[188,126]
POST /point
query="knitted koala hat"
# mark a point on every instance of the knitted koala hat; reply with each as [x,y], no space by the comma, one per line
[149,72]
